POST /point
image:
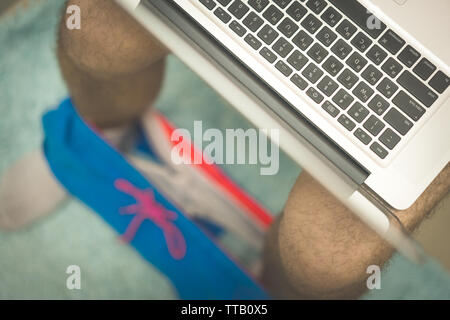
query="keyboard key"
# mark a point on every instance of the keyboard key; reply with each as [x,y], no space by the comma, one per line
[346,122]
[417,88]
[237,28]
[379,150]
[311,23]
[253,21]
[374,125]
[356,62]
[331,16]
[296,11]
[439,82]
[398,121]
[392,67]
[424,69]
[273,15]
[409,56]
[341,49]
[327,86]
[331,109]
[312,73]
[267,34]
[282,3]
[288,27]
[333,66]
[268,55]
[378,105]
[409,106]
[317,53]
[258,5]
[358,112]
[389,138]
[363,92]
[316,6]
[210,4]
[252,41]
[348,79]
[224,2]
[297,60]
[372,75]
[387,88]
[238,9]
[346,29]
[222,15]
[343,99]
[283,68]
[359,15]
[376,54]
[299,81]
[392,42]
[326,36]
[361,42]
[302,40]
[314,95]
[362,136]
[282,47]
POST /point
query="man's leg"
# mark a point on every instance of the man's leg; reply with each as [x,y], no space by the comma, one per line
[112,66]
[319,249]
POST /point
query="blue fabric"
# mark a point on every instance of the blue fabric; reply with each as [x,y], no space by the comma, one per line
[98,175]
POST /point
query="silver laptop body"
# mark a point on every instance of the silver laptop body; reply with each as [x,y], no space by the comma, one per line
[365,82]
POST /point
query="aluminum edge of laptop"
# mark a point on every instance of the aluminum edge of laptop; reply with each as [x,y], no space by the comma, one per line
[265,109]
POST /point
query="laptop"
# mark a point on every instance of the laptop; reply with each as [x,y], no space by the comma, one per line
[363,81]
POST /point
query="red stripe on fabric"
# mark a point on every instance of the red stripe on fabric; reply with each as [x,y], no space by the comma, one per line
[220,178]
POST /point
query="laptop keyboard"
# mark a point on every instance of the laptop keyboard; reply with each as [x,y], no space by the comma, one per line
[374,84]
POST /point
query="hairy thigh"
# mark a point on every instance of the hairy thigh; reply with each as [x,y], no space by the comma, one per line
[110,42]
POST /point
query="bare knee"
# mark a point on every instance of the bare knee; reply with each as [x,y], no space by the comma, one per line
[112,67]
[324,249]
[110,42]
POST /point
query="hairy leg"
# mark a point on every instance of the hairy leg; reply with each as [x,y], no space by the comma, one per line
[112,67]
[319,249]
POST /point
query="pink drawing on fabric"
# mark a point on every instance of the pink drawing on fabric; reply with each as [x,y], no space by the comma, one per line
[146,207]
